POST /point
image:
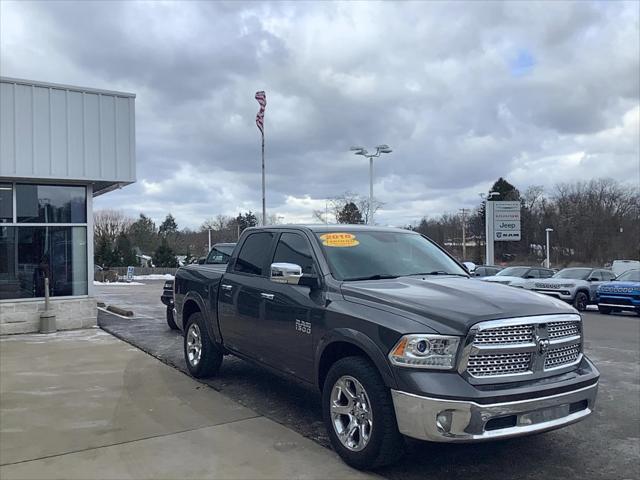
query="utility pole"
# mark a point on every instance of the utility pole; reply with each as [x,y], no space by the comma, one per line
[209,240]
[464,233]
[548,231]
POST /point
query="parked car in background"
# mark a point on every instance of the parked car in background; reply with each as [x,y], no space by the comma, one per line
[485,271]
[217,259]
[518,276]
[621,294]
[618,267]
[577,286]
[393,333]
[470,266]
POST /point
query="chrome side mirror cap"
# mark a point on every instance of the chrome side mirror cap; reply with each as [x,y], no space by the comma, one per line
[289,273]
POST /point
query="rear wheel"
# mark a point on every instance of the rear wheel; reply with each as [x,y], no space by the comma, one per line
[170,320]
[202,355]
[605,310]
[359,416]
[581,301]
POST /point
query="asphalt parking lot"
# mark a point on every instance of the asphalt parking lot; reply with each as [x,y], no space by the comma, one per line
[605,446]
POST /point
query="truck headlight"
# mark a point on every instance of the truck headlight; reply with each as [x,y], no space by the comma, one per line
[425,351]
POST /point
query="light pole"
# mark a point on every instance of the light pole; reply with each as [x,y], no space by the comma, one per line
[362,151]
[209,239]
[489,228]
[464,233]
[548,230]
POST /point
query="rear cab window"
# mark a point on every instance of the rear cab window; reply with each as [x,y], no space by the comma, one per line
[254,252]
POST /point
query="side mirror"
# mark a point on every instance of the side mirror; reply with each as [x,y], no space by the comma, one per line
[289,273]
[529,276]
[592,279]
[201,260]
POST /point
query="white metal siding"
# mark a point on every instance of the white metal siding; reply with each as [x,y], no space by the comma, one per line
[60,132]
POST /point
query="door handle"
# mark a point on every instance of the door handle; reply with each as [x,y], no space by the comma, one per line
[268,296]
[226,287]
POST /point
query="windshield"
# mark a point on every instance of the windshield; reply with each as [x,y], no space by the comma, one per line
[575,273]
[629,276]
[513,272]
[364,255]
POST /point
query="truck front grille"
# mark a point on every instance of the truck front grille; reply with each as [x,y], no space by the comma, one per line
[558,357]
[505,350]
[505,335]
[501,364]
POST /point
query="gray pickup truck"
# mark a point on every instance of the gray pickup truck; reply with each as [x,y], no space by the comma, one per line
[393,332]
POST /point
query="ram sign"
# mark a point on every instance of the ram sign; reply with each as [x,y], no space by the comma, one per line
[506,221]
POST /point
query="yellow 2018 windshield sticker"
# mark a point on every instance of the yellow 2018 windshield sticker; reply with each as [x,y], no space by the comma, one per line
[339,240]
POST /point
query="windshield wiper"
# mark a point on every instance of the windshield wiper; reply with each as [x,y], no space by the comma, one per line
[438,272]
[371,277]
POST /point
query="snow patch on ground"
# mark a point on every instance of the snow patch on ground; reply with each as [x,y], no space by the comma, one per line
[117,283]
[154,276]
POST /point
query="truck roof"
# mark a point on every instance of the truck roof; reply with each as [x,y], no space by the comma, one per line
[322,227]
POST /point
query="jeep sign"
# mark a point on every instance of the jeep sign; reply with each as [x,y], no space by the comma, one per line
[506,221]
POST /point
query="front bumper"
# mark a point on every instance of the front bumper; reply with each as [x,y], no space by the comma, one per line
[564,294]
[442,420]
[618,301]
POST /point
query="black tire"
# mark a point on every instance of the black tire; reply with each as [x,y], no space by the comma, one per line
[170,320]
[605,310]
[637,311]
[581,301]
[385,444]
[210,357]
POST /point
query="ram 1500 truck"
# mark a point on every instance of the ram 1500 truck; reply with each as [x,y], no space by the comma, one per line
[395,334]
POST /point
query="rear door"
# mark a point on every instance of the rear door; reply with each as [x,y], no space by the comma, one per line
[292,311]
[240,303]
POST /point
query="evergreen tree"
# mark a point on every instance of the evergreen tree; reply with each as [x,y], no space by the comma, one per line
[349,214]
[126,254]
[164,256]
[168,226]
[143,234]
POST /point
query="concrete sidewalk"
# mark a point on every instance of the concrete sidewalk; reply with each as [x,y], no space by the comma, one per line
[83,404]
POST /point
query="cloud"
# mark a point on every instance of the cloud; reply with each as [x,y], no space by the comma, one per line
[465,92]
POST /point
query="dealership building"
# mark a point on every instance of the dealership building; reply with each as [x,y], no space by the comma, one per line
[60,146]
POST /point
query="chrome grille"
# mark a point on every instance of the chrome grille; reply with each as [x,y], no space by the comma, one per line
[558,357]
[505,335]
[501,364]
[534,347]
[563,329]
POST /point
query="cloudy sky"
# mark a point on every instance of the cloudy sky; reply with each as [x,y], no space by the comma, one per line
[464,93]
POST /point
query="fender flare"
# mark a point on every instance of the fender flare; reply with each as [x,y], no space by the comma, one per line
[360,340]
[202,305]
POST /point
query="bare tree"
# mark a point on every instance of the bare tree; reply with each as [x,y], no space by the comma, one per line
[338,203]
[109,224]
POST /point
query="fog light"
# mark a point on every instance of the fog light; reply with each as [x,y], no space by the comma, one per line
[444,420]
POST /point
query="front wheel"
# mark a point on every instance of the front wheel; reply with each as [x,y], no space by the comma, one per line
[202,355]
[581,301]
[359,415]
[605,310]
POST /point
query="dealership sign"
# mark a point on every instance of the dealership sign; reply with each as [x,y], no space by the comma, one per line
[506,221]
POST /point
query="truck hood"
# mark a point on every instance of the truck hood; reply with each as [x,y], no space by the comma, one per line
[504,279]
[450,305]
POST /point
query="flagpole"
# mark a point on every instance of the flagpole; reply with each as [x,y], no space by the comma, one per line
[264,205]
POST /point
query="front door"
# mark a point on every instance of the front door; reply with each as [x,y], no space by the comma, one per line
[292,311]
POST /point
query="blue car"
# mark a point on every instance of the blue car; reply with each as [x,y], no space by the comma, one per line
[621,294]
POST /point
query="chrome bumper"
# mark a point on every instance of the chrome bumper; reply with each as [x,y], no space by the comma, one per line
[440,420]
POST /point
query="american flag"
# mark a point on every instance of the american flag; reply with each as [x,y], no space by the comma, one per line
[261,97]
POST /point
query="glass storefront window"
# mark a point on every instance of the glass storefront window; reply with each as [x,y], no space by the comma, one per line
[28,254]
[51,204]
[6,203]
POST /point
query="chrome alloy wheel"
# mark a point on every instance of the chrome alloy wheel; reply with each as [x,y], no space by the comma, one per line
[194,345]
[351,413]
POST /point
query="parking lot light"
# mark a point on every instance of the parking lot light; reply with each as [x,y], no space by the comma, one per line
[548,230]
[382,148]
